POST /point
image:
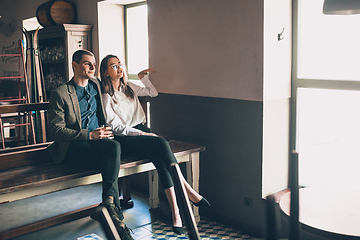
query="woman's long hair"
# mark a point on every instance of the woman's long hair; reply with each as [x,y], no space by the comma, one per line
[106,85]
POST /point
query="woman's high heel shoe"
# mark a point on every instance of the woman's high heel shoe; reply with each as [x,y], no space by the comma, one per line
[177,230]
[202,203]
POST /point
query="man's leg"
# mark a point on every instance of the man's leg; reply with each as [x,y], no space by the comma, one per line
[102,155]
[110,159]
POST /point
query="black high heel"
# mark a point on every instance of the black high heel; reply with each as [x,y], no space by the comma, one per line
[202,203]
[177,230]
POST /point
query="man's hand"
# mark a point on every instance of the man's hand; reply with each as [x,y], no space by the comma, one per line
[100,133]
[148,134]
[145,72]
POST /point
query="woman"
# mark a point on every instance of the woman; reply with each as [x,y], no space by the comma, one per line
[125,116]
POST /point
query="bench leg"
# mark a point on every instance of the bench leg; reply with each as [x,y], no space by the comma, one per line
[192,172]
[2,133]
[153,189]
[125,200]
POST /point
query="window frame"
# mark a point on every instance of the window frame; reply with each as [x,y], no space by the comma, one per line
[126,7]
[297,83]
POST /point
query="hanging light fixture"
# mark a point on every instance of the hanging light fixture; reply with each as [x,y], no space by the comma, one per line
[341,7]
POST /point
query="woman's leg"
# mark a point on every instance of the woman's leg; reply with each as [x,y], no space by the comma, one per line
[160,153]
[157,149]
[192,194]
[170,194]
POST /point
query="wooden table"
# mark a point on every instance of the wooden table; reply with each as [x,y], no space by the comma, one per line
[332,213]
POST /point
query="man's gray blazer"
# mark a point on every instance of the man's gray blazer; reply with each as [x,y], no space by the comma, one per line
[65,118]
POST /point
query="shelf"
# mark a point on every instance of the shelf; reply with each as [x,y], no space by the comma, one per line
[10,55]
[60,42]
[12,99]
[52,62]
[11,77]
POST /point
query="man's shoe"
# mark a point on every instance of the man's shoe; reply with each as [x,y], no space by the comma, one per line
[113,211]
[120,226]
[124,232]
[122,229]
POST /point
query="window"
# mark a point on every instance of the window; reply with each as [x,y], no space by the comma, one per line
[137,53]
[328,44]
[137,46]
[329,130]
[326,84]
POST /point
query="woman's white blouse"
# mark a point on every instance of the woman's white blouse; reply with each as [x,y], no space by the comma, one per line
[123,113]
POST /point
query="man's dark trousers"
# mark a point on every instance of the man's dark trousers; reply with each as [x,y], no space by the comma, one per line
[102,155]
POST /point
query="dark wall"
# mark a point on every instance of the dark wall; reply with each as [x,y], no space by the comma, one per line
[231,166]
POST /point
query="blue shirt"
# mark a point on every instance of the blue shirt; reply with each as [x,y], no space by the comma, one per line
[88,101]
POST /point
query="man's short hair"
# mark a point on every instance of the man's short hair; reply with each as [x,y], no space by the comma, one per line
[77,56]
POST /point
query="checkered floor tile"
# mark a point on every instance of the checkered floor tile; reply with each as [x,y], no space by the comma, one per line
[208,230]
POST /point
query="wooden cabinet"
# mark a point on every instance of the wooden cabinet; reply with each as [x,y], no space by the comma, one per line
[57,45]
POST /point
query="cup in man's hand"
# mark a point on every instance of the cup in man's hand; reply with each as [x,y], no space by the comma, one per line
[108,131]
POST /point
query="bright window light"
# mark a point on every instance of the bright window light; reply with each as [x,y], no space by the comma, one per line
[328,44]
[329,130]
[328,120]
[137,39]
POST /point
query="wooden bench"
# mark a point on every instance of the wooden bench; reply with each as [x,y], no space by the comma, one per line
[28,171]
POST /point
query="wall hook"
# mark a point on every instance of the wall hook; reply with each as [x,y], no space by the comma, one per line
[279,36]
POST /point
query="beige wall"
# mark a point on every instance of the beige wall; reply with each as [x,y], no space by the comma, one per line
[207,48]
[229,50]
[277,54]
[87,13]
[222,53]
[277,91]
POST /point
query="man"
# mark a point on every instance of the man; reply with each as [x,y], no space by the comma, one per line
[76,114]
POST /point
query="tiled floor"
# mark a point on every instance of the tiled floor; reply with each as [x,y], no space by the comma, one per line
[145,223]
[207,230]
[158,230]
